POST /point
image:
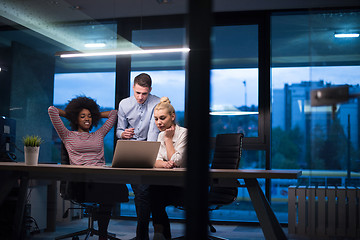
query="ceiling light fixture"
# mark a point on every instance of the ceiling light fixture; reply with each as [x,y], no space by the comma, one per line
[95,45]
[346,35]
[232,113]
[121,52]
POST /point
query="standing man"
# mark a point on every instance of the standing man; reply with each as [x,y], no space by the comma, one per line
[136,122]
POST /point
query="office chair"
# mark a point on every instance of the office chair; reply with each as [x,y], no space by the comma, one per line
[227,155]
[75,192]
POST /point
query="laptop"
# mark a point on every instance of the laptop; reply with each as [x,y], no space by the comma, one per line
[135,154]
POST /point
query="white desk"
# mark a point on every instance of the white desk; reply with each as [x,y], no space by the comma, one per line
[269,223]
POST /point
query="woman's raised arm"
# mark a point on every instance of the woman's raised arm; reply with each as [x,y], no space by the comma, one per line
[105,114]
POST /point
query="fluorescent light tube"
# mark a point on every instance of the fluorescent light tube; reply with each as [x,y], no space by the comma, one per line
[232,113]
[346,35]
[132,52]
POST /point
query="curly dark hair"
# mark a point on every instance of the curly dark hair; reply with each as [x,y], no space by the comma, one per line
[76,105]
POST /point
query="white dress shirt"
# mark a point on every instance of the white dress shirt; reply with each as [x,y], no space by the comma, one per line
[131,114]
[179,142]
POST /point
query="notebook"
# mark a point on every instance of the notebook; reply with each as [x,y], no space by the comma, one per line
[135,154]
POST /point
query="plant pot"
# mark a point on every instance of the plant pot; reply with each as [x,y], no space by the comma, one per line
[31,155]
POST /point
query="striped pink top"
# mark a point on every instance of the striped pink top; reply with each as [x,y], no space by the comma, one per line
[84,148]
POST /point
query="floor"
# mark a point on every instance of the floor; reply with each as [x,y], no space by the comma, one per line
[125,229]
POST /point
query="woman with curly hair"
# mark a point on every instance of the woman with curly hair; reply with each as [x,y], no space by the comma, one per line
[83,147]
[87,148]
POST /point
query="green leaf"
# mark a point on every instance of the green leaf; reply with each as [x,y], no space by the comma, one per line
[32,141]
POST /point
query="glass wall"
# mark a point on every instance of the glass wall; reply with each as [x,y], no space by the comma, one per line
[99,86]
[305,55]
[167,72]
[234,93]
[92,77]
[234,103]
[322,141]
[234,80]
[26,83]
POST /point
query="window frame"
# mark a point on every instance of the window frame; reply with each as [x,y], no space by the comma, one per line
[260,18]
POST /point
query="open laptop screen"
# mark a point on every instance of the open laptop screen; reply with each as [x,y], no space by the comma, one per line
[135,154]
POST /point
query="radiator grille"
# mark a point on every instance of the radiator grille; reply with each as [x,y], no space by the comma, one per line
[324,211]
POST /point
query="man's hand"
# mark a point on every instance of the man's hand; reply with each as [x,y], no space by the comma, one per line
[128,133]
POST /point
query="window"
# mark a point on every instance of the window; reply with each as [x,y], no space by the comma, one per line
[99,86]
[162,82]
[168,79]
[234,80]
[234,102]
[166,70]
[305,56]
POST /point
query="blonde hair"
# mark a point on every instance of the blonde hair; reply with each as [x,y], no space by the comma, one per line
[165,104]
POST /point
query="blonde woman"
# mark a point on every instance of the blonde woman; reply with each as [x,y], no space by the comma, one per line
[172,154]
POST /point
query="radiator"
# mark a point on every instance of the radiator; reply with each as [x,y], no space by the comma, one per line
[324,211]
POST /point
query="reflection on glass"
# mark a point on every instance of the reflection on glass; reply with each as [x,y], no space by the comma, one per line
[159,38]
[234,81]
[170,84]
[234,101]
[99,86]
[314,139]
[307,56]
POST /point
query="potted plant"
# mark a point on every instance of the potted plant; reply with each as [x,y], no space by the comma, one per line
[31,149]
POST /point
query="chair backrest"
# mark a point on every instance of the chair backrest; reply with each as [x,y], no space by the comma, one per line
[227,155]
[228,150]
[87,192]
[64,155]
[68,190]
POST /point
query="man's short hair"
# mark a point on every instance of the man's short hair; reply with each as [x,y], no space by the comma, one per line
[143,80]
